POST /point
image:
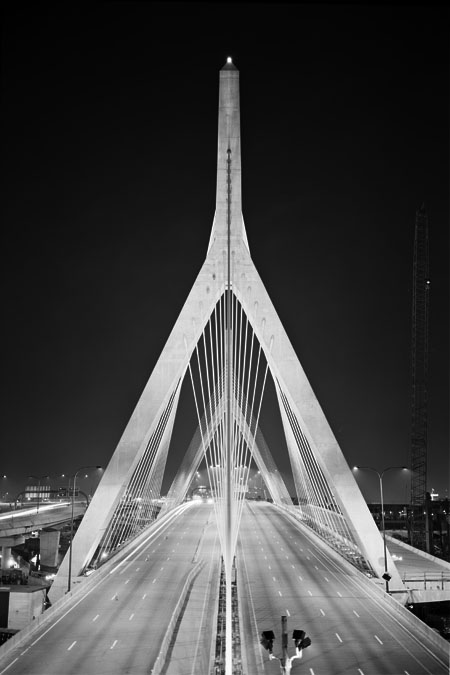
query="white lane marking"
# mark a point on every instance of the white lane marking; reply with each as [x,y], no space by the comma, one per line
[137,569]
[287,557]
[406,672]
[300,578]
[288,612]
[339,594]
[308,558]
[161,569]
[310,592]
[24,651]
[144,596]
[95,618]
[11,664]
[316,567]
[72,645]
[113,644]
[311,671]
[269,567]
[338,637]
[168,558]
[361,672]
[322,612]
[153,581]
[356,613]
[130,617]
[280,594]
[293,566]
[274,578]
[127,581]
[377,638]
[326,579]
[265,557]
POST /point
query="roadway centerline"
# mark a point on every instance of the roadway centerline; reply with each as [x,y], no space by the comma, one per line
[338,637]
[95,618]
[113,644]
[72,645]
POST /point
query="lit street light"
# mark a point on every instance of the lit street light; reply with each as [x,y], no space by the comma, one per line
[74,478]
[386,575]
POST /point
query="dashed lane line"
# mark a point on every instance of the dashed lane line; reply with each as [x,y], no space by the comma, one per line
[72,645]
[356,613]
[322,612]
[338,637]
[95,618]
[9,666]
[130,617]
[377,638]
[113,644]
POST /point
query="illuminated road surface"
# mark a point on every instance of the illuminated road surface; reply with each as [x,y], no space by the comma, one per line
[282,572]
[119,626]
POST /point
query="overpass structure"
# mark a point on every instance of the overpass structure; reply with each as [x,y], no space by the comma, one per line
[228,345]
[16,525]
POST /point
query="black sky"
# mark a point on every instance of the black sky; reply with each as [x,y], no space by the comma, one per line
[109,139]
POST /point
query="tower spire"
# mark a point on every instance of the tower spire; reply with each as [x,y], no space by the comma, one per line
[229,138]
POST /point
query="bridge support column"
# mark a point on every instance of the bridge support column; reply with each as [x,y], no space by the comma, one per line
[49,546]
[6,555]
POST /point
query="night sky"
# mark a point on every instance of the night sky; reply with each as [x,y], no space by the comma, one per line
[109,141]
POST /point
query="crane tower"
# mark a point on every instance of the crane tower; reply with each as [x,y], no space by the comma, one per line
[419,354]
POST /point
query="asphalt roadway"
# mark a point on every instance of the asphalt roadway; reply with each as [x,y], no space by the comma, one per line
[282,571]
[118,627]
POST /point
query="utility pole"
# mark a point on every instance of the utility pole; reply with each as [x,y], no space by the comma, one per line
[419,368]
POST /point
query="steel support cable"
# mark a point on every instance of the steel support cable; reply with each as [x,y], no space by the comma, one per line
[251,451]
[216,380]
[325,496]
[211,393]
[118,522]
[330,526]
[310,487]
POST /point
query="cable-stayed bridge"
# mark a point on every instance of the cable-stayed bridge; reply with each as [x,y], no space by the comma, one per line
[152,601]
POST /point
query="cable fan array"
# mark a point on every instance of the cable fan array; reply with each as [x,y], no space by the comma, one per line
[139,504]
[228,342]
[317,505]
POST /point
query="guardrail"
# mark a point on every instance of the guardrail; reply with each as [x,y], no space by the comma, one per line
[435,581]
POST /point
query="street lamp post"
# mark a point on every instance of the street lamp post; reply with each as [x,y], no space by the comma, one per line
[39,478]
[386,576]
[74,479]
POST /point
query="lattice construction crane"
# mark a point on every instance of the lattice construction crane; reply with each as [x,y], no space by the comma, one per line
[419,361]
